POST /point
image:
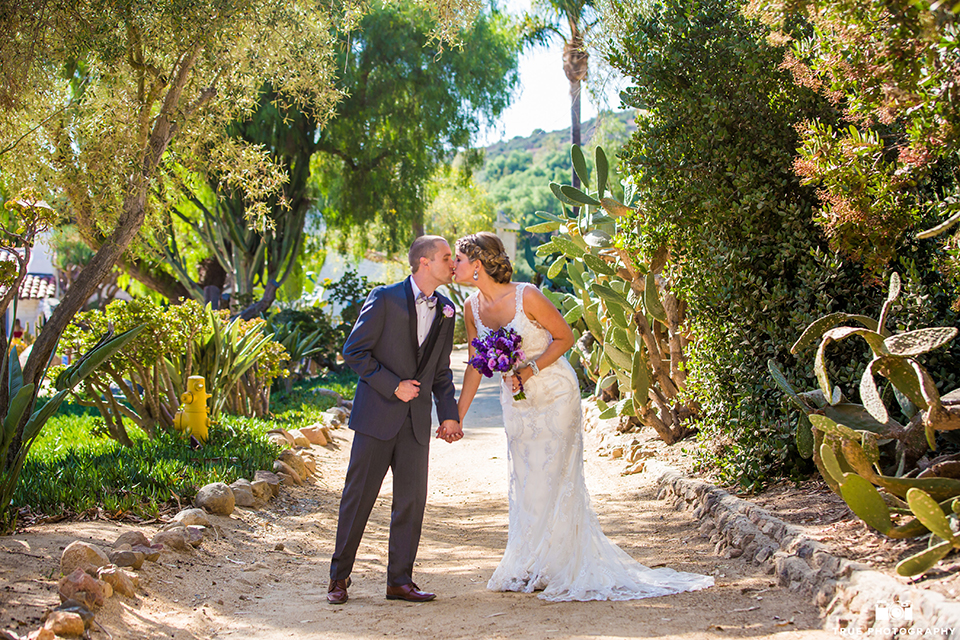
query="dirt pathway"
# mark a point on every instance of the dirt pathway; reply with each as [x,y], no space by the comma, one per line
[266,578]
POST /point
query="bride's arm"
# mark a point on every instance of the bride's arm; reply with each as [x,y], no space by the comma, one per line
[471,377]
[541,310]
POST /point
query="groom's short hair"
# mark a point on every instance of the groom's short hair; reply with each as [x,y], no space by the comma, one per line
[423,247]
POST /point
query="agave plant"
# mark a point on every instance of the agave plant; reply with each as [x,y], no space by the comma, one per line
[23,397]
[624,315]
[231,350]
[299,343]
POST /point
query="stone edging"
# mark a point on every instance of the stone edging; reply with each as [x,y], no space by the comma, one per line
[847,592]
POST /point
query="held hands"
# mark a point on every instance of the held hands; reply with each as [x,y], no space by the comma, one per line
[450,431]
[407,390]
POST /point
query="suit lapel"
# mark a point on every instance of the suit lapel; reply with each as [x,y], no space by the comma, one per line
[412,313]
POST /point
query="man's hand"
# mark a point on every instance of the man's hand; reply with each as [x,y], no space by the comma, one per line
[407,390]
[450,431]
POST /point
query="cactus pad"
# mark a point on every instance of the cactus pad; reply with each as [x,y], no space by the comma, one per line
[929,513]
[915,343]
[923,561]
[865,501]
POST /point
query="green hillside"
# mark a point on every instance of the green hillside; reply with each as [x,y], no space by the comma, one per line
[516,173]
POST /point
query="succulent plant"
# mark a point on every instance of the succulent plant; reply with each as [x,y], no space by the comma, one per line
[845,439]
[24,398]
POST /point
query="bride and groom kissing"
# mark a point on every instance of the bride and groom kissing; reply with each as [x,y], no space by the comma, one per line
[400,348]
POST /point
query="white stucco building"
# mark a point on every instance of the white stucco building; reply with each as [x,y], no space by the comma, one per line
[38,293]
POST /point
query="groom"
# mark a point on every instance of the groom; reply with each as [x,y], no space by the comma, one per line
[401,339]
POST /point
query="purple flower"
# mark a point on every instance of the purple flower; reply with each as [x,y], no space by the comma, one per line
[498,351]
[448,311]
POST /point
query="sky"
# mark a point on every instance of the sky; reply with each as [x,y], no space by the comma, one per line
[543,98]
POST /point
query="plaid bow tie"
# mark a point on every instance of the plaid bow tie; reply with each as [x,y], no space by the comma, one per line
[430,301]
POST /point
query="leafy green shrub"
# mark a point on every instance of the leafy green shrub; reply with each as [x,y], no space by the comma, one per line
[145,395]
[142,383]
[712,161]
[712,164]
[890,167]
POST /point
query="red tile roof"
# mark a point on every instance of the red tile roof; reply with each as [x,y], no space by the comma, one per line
[35,287]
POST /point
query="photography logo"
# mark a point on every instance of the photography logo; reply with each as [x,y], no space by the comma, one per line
[894,613]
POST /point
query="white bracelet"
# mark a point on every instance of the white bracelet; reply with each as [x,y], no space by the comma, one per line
[533,365]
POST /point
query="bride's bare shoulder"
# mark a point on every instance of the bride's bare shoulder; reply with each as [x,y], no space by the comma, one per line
[531,292]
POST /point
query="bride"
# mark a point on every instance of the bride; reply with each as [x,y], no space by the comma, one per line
[554,544]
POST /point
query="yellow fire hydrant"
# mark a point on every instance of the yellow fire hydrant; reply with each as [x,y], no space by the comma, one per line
[192,415]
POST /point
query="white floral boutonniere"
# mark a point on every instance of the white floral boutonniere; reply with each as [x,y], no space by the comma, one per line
[448,311]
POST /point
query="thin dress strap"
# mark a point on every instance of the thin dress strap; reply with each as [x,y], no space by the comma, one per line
[475,305]
[519,293]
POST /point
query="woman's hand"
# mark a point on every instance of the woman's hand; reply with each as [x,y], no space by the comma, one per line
[521,376]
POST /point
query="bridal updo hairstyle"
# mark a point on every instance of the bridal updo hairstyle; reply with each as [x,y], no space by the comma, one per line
[488,249]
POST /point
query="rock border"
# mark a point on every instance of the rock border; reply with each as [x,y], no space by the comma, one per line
[848,593]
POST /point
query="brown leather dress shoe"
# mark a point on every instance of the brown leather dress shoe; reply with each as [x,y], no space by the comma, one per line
[410,593]
[337,591]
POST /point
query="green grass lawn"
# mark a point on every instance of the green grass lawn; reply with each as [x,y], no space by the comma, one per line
[71,468]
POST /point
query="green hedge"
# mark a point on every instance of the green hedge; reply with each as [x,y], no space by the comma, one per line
[713,164]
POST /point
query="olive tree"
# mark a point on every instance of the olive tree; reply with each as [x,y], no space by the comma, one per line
[96,95]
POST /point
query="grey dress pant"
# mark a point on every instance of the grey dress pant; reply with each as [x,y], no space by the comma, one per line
[369,460]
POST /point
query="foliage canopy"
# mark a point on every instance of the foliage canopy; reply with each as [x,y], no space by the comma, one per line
[408,108]
[891,165]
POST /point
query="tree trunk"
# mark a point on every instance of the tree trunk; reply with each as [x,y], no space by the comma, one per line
[161,282]
[575,65]
[134,212]
[575,125]
[165,126]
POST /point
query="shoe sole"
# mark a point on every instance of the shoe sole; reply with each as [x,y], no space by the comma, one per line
[407,600]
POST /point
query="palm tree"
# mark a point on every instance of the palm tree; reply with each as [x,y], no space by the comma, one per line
[579,18]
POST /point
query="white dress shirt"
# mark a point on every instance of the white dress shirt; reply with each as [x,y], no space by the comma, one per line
[425,314]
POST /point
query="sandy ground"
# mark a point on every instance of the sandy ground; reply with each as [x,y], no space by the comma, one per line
[265,574]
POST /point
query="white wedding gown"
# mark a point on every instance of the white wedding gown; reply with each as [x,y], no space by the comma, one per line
[555,543]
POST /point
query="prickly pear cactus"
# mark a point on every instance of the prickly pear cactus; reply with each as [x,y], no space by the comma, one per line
[626,321]
[865,455]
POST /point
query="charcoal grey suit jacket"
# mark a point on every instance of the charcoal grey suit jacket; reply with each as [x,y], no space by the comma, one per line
[382,348]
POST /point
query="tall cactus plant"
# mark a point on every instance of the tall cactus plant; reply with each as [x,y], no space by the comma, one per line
[627,322]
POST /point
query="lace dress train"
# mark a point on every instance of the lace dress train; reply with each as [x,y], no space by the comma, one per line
[555,544]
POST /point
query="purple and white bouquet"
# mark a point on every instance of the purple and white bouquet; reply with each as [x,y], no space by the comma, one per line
[499,351]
